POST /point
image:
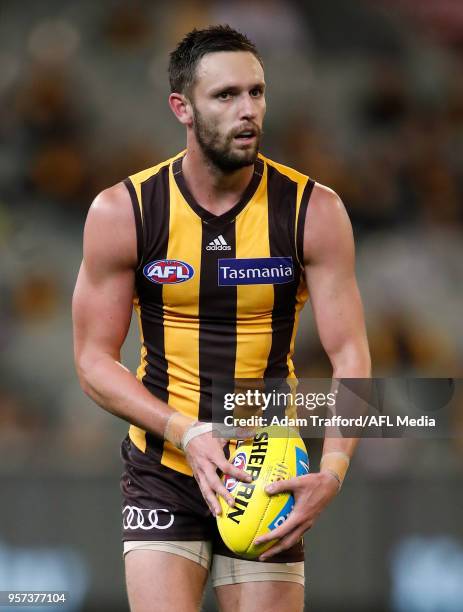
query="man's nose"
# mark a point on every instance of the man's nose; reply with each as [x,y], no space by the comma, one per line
[248,108]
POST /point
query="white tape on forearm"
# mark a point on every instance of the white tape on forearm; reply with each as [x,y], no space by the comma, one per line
[197,429]
[336,463]
[176,426]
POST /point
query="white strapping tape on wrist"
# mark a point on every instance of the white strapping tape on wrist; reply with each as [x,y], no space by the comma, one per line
[197,429]
[336,463]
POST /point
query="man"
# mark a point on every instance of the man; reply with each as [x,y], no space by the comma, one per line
[177,240]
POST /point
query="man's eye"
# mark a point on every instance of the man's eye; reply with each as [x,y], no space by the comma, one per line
[255,93]
[224,95]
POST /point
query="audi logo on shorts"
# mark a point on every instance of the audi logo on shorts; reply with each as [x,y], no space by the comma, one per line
[146,518]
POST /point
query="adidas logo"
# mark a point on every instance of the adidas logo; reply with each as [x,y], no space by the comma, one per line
[218,244]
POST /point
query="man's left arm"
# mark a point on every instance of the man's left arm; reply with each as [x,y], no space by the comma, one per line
[329,263]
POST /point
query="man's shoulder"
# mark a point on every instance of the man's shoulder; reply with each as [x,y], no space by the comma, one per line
[142,175]
[320,195]
[109,235]
[287,171]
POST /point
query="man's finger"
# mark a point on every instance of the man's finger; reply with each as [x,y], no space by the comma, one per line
[282,545]
[280,486]
[280,532]
[232,470]
[212,502]
[217,485]
[209,496]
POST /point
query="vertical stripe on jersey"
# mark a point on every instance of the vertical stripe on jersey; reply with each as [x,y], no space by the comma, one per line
[137,211]
[254,302]
[181,312]
[282,198]
[301,299]
[138,435]
[155,198]
[304,191]
[300,220]
[217,313]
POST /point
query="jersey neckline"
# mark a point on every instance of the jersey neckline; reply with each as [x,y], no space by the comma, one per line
[206,215]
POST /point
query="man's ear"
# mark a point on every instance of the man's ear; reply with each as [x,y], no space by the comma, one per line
[181,107]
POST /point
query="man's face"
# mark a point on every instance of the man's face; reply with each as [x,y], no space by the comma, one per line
[228,104]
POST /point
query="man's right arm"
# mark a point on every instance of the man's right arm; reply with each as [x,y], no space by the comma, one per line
[102,308]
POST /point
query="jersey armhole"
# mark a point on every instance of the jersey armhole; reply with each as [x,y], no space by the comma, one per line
[300,225]
[138,219]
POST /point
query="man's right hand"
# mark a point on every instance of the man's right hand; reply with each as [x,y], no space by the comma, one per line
[205,455]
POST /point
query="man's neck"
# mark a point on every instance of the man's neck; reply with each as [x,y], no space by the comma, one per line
[214,190]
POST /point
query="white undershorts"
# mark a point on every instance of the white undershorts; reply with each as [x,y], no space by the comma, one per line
[224,570]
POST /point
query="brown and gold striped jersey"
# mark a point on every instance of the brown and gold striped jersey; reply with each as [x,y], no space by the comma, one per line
[217,297]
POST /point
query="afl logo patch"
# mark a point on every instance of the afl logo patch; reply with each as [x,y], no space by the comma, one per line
[240,462]
[168,271]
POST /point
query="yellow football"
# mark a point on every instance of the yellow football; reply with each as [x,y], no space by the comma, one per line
[275,453]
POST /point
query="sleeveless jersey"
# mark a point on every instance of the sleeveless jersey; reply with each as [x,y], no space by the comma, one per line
[217,297]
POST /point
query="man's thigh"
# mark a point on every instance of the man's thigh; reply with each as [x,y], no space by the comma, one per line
[244,586]
[270,596]
[163,582]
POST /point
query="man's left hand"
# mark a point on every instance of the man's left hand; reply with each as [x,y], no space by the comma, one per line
[312,493]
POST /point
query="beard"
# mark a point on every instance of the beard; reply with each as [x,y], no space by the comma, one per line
[218,149]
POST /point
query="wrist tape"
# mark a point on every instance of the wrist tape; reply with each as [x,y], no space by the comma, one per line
[196,429]
[336,463]
[176,426]
[180,430]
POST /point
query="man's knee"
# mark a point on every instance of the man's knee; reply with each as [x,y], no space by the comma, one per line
[269,596]
[240,583]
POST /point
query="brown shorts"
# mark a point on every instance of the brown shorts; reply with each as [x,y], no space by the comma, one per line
[161,504]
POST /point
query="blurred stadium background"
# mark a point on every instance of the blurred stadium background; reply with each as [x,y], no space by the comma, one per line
[365,96]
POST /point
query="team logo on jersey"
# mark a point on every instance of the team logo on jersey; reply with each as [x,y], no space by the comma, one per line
[256,271]
[218,244]
[168,271]
[240,462]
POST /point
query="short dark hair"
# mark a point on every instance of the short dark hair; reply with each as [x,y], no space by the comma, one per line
[198,43]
